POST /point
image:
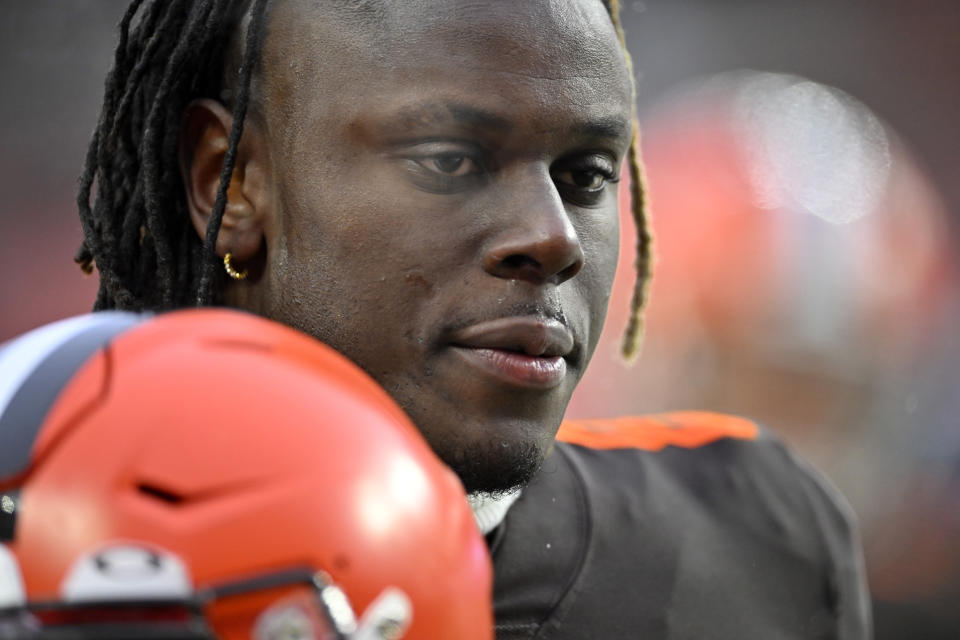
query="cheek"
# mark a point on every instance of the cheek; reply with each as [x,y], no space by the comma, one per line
[601,245]
[600,239]
[350,269]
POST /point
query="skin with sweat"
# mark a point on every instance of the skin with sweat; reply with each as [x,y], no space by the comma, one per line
[428,186]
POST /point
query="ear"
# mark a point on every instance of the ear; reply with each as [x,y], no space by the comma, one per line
[204,137]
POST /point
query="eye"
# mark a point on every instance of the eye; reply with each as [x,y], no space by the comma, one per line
[444,167]
[450,165]
[585,180]
[585,176]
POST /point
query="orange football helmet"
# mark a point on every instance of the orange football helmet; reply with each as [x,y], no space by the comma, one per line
[211,474]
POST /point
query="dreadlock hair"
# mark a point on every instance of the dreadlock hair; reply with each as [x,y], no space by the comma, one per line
[633,334]
[137,229]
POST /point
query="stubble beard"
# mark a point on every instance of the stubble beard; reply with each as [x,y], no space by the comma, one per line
[494,467]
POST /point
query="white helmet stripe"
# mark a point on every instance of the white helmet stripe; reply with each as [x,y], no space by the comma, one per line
[34,369]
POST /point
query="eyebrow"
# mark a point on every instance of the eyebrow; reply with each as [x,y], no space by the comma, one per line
[432,113]
[423,114]
[478,117]
[612,127]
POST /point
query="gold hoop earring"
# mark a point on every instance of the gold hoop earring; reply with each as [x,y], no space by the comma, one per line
[233,273]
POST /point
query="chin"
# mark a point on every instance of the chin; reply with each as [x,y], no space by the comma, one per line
[494,439]
[491,464]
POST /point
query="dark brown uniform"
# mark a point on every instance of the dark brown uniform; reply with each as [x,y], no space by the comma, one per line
[680,526]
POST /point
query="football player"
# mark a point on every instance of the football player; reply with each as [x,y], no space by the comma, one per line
[430,187]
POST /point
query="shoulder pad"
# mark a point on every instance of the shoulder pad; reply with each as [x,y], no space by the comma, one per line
[687,429]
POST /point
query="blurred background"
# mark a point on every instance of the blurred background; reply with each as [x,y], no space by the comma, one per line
[805,182]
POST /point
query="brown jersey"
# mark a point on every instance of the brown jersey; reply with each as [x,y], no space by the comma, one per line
[678,526]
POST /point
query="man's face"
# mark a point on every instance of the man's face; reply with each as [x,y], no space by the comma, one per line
[443,206]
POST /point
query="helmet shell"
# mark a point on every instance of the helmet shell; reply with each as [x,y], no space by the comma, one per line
[243,446]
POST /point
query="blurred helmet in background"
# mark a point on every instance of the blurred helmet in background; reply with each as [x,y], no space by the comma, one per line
[804,262]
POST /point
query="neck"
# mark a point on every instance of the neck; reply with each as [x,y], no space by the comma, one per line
[490,510]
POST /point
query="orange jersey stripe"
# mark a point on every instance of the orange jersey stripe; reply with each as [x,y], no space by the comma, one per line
[688,429]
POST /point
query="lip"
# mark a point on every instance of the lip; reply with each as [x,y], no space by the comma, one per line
[530,335]
[525,351]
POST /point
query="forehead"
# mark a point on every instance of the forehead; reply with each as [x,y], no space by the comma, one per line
[529,58]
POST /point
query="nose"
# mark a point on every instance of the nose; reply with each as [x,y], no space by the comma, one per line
[536,241]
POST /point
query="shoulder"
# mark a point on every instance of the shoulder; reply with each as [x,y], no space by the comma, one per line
[714,506]
[729,464]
